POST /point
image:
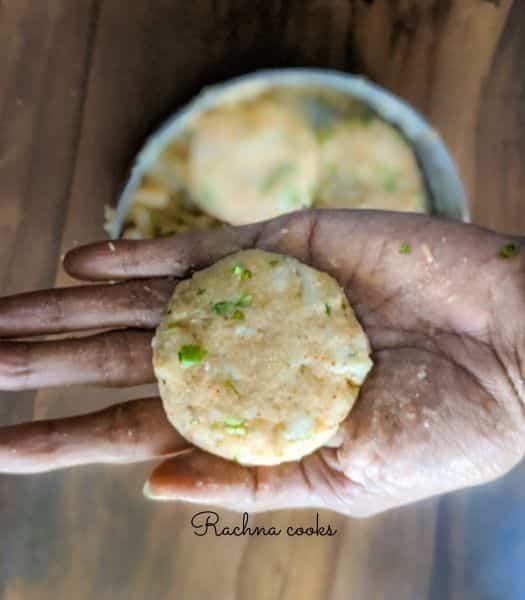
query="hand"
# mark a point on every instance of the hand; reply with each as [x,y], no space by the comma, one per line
[443,407]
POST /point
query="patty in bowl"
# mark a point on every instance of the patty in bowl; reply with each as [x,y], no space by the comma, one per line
[270,150]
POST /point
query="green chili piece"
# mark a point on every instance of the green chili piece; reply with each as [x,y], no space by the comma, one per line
[191,355]
[241,272]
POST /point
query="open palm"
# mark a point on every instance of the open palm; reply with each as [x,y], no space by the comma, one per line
[443,407]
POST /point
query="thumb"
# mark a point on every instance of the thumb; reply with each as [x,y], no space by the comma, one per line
[203,478]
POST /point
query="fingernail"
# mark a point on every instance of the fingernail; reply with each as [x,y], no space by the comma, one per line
[146,491]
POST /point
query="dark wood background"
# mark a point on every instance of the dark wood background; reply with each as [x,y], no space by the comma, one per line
[81,83]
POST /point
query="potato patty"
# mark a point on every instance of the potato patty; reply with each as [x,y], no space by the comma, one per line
[259,358]
[252,162]
[369,165]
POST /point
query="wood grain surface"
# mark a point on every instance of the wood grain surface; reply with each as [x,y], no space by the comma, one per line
[81,84]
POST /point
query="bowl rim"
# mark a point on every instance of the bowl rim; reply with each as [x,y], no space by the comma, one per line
[437,166]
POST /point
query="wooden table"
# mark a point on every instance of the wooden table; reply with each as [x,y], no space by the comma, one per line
[81,83]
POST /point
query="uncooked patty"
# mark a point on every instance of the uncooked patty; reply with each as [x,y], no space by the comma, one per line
[259,358]
[251,162]
[369,165]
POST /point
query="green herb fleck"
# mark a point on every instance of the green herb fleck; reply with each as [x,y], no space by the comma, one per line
[290,197]
[230,308]
[328,309]
[367,116]
[405,248]
[236,430]
[244,300]
[200,291]
[231,386]
[191,355]
[173,325]
[276,175]
[390,181]
[241,272]
[233,422]
[225,308]
[234,426]
[194,422]
[274,263]
[324,134]
[364,116]
[509,250]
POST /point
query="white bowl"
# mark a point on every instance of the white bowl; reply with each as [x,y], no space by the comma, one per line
[445,191]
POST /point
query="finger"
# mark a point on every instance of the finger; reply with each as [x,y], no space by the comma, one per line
[117,358]
[131,304]
[124,433]
[400,271]
[338,241]
[207,479]
[173,256]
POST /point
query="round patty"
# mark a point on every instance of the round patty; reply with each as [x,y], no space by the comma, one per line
[369,165]
[259,358]
[251,162]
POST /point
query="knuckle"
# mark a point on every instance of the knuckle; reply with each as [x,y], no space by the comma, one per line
[54,305]
[145,303]
[15,366]
[121,357]
[331,485]
[123,431]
